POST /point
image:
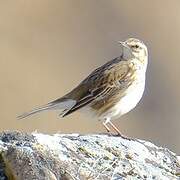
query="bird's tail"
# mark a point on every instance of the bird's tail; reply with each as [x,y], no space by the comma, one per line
[61,104]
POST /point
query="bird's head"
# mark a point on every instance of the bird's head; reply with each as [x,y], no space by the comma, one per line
[134,48]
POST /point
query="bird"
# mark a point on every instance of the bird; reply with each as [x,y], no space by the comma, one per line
[110,91]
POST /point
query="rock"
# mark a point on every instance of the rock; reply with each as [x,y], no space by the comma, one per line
[72,156]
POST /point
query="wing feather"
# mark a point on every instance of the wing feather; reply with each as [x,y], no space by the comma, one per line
[101,83]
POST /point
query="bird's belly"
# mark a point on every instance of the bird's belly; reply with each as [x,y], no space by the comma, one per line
[128,102]
[123,105]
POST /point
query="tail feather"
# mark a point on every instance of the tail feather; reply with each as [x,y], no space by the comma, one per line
[64,105]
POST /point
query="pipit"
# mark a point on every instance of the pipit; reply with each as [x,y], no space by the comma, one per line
[109,91]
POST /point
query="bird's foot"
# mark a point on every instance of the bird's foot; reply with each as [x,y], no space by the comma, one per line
[124,137]
[118,132]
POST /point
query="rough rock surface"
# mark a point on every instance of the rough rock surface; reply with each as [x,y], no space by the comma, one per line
[73,156]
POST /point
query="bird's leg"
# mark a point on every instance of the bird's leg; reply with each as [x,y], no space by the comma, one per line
[108,121]
[115,128]
[106,126]
[119,132]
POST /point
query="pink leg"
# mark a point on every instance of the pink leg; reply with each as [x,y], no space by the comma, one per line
[115,128]
[106,127]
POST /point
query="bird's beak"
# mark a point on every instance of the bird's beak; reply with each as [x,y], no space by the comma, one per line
[123,44]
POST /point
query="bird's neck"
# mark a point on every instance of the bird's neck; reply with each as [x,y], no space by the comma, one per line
[127,54]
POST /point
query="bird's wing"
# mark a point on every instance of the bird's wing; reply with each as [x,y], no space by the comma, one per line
[101,83]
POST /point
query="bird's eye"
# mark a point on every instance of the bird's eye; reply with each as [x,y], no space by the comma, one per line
[135,46]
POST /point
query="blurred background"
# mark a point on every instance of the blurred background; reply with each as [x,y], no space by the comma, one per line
[48,46]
